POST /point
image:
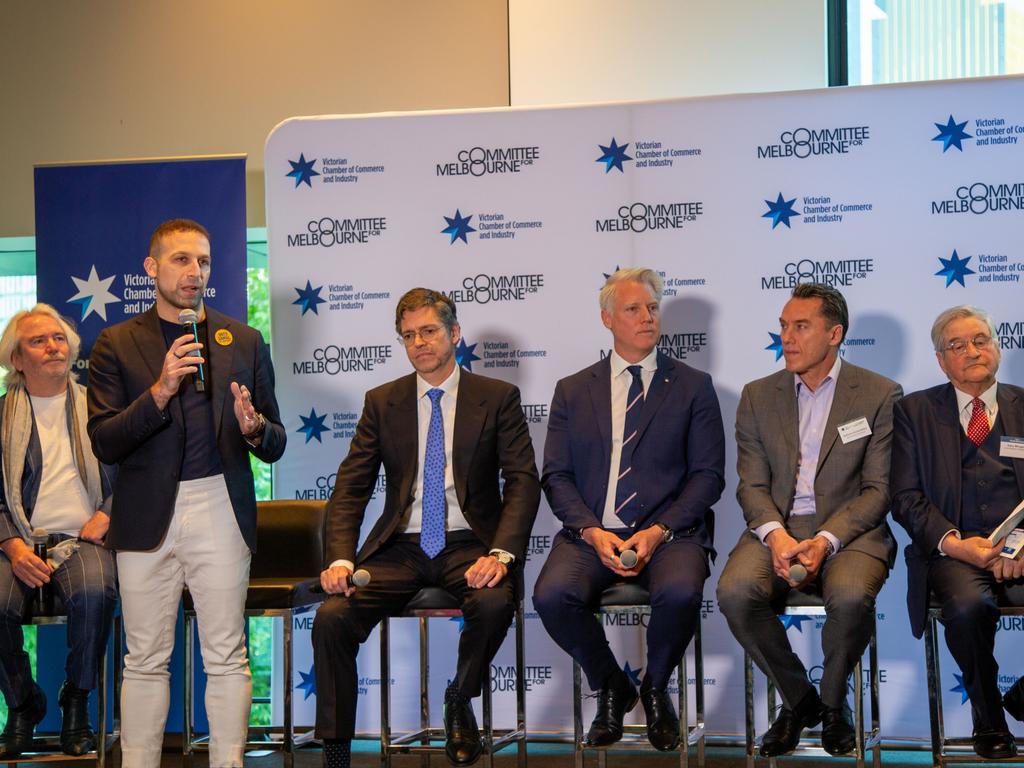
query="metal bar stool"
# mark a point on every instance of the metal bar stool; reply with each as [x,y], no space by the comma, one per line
[802,604]
[289,553]
[624,597]
[434,602]
[946,749]
[46,746]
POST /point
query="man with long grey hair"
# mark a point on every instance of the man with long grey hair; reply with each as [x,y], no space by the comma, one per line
[51,482]
[957,471]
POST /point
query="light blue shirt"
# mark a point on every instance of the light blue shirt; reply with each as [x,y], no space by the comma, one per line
[813,407]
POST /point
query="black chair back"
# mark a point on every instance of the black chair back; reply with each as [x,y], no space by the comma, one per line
[289,539]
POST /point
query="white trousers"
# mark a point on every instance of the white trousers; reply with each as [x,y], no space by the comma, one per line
[203,549]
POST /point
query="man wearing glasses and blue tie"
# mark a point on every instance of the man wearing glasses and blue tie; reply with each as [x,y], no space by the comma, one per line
[443,437]
[957,472]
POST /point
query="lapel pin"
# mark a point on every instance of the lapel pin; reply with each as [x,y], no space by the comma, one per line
[223,337]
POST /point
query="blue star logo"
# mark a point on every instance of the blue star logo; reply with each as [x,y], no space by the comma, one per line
[464,356]
[633,673]
[309,298]
[458,227]
[780,212]
[951,134]
[776,345]
[302,171]
[609,274]
[313,426]
[613,156]
[794,621]
[93,294]
[960,688]
[461,620]
[308,684]
[954,269]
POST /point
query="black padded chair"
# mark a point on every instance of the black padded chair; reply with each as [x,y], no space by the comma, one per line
[630,598]
[289,557]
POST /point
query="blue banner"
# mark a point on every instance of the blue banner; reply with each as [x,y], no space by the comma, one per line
[93,224]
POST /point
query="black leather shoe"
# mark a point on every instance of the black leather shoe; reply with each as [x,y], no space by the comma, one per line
[837,734]
[662,722]
[1013,701]
[613,702]
[462,742]
[785,732]
[994,744]
[21,723]
[76,735]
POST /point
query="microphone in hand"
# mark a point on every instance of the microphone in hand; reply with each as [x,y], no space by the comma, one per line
[189,320]
[628,558]
[797,573]
[358,578]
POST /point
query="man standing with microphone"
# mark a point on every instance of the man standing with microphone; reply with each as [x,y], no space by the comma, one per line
[184,511]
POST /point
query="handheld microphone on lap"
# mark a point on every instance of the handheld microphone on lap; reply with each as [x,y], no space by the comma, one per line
[797,572]
[39,539]
[358,578]
[628,558]
[189,320]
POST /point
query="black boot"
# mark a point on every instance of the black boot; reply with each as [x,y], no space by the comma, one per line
[462,736]
[76,735]
[21,722]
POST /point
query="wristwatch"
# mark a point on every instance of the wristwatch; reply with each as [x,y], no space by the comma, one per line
[667,534]
[503,557]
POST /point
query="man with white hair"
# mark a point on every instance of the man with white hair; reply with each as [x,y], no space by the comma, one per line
[50,481]
[957,472]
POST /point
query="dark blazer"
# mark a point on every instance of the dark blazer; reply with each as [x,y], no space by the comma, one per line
[926,476]
[679,453]
[851,483]
[128,429]
[491,437]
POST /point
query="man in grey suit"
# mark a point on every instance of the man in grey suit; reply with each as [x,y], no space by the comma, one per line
[813,445]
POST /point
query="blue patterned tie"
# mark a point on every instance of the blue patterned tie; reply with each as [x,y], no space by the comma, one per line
[432,525]
[625,489]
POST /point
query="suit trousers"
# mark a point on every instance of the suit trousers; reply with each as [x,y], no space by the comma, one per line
[399,569]
[749,593]
[970,600]
[568,593]
[87,585]
[204,550]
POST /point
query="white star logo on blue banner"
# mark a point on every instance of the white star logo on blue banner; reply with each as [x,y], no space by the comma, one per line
[93,294]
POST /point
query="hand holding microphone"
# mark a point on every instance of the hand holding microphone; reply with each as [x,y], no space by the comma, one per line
[358,578]
[189,320]
[797,573]
[44,598]
[628,559]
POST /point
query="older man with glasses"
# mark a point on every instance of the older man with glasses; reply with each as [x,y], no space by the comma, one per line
[957,471]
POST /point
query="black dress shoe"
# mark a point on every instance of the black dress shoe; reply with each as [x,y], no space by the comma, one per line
[76,735]
[784,734]
[1013,701]
[837,734]
[21,723]
[994,744]
[613,702]
[662,723]
[462,742]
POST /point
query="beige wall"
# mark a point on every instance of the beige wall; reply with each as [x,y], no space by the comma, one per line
[143,78]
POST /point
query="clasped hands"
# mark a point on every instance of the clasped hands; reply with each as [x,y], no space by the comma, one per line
[609,547]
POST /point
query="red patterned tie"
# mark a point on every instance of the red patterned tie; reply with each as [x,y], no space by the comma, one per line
[977,428]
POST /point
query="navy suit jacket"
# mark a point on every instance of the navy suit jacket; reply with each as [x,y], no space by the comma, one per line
[679,455]
[926,476]
[147,444]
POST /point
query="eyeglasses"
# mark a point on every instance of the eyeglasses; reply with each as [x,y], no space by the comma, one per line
[981,342]
[428,333]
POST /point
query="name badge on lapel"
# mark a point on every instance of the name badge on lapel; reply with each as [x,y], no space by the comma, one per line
[1012,447]
[854,430]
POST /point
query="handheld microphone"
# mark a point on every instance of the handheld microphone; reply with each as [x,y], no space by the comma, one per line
[189,320]
[628,558]
[358,578]
[797,572]
[39,539]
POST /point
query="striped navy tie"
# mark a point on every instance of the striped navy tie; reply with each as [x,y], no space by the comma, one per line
[626,505]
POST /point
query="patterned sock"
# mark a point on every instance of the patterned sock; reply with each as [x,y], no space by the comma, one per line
[337,753]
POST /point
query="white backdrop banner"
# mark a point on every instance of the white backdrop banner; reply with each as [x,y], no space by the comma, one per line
[910,199]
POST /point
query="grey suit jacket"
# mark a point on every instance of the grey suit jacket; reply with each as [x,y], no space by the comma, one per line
[852,480]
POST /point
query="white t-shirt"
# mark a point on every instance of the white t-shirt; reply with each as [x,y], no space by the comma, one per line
[62,505]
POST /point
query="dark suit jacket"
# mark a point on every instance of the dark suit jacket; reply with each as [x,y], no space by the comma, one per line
[851,483]
[491,437]
[926,474]
[128,429]
[679,454]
